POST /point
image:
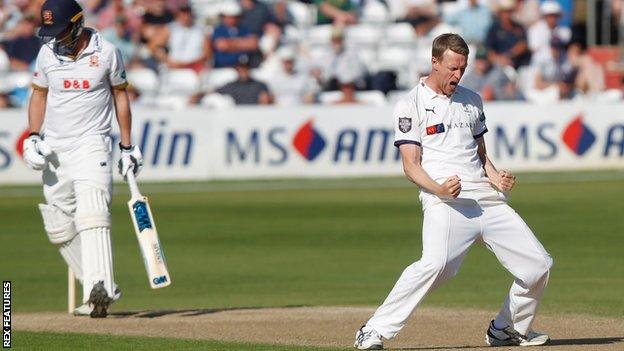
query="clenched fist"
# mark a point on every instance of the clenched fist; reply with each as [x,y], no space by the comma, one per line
[506,181]
[450,188]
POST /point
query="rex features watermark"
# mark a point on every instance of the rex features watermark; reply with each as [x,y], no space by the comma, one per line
[6,314]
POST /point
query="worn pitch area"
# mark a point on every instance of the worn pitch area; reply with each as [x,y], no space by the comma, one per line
[429,328]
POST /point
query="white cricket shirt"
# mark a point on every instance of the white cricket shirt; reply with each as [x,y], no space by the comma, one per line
[80,101]
[446,129]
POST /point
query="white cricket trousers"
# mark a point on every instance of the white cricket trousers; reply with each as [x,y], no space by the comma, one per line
[449,229]
[78,184]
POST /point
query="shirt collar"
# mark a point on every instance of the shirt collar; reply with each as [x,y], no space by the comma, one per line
[95,43]
[431,94]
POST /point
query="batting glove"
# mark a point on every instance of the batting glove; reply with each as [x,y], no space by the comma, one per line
[131,159]
[35,152]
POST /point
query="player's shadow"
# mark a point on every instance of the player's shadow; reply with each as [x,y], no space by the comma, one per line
[556,342]
[587,341]
[186,313]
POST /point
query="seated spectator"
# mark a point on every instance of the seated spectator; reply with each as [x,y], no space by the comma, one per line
[257,17]
[506,40]
[188,45]
[246,90]
[338,12]
[346,82]
[13,12]
[422,14]
[289,86]
[23,49]
[526,12]
[341,58]
[153,29]
[556,73]
[473,21]
[155,19]
[121,36]
[231,40]
[541,33]
[490,81]
[107,18]
[590,78]
[281,16]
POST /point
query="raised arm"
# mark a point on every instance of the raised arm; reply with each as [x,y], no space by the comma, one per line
[411,156]
[503,180]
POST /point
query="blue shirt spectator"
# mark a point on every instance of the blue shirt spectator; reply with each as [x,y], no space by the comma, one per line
[223,58]
[23,49]
[506,40]
[230,39]
[473,21]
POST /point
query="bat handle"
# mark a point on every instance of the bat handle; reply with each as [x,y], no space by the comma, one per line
[134,188]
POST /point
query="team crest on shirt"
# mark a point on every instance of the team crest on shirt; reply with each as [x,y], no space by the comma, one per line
[405,124]
[94,61]
[47,17]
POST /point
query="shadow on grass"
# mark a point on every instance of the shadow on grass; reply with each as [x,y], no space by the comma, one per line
[187,313]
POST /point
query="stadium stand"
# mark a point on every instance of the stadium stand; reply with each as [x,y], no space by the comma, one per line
[390,38]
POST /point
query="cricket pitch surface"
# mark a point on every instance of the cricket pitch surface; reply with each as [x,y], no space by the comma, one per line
[429,328]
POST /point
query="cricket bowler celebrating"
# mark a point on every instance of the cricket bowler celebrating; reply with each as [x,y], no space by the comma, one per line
[79,83]
[439,129]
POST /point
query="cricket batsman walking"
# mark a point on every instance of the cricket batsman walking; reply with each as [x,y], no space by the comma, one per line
[439,128]
[78,86]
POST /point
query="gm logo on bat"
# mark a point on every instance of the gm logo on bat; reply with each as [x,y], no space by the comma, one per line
[160,280]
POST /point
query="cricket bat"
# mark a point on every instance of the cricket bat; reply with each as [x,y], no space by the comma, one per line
[151,249]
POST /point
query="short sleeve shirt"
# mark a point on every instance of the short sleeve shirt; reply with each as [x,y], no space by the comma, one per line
[446,129]
[80,100]
[244,93]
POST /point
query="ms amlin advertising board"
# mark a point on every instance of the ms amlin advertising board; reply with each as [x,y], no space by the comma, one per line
[341,141]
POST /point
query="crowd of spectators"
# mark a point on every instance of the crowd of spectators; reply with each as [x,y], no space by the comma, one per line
[291,52]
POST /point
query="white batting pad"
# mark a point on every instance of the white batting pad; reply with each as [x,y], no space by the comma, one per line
[97,260]
[72,253]
[92,209]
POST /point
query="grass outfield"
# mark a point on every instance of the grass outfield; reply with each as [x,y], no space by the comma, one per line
[56,341]
[334,242]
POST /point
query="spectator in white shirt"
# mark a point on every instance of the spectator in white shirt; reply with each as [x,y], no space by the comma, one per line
[288,84]
[188,45]
[340,59]
[540,34]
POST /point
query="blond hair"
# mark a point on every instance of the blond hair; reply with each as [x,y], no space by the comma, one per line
[448,41]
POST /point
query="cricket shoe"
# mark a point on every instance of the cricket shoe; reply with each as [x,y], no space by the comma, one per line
[86,309]
[367,338]
[99,301]
[510,337]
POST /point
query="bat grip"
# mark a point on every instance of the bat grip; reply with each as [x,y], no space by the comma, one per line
[134,188]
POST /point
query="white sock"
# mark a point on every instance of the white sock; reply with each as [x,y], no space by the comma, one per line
[97,260]
[72,253]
